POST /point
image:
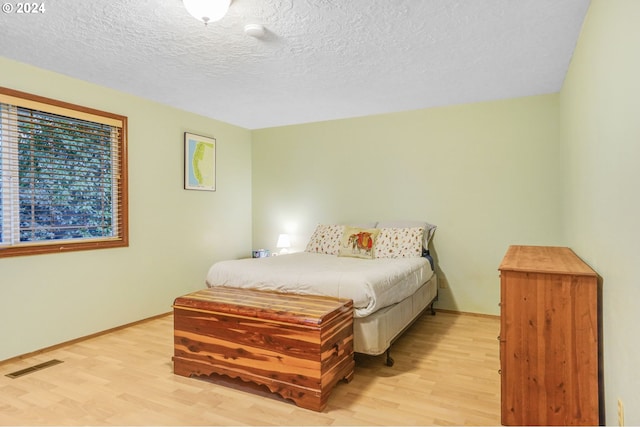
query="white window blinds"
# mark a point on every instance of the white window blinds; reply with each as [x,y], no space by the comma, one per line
[63,176]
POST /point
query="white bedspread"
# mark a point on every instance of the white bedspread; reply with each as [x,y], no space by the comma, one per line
[371,283]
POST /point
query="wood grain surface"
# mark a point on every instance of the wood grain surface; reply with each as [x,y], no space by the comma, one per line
[549,338]
[298,346]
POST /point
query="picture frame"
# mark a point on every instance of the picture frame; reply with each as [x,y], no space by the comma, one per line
[199,162]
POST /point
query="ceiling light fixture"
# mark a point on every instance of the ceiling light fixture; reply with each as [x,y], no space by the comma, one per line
[254,30]
[207,10]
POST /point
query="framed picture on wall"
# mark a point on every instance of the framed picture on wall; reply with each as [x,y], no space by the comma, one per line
[199,162]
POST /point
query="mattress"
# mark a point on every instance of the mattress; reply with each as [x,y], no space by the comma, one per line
[372,284]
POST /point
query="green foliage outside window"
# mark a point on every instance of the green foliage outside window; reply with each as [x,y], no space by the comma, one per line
[65,178]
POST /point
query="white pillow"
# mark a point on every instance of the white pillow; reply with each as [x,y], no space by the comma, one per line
[400,242]
[429,229]
[363,224]
[325,239]
[358,242]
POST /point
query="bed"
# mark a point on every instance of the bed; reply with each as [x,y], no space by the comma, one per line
[385,269]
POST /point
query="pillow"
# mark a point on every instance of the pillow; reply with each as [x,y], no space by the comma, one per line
[429,229]
[325,239]
[363,224]
[358,242]
[400,242]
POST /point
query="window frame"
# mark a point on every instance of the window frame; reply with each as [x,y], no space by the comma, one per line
[121,217]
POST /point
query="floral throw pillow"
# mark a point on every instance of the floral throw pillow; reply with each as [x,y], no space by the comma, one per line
[400,242]
[325,239]
[358,242]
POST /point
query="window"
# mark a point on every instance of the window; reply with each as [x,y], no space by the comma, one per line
[63,176]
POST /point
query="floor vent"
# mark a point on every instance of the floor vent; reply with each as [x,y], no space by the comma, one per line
[34,368]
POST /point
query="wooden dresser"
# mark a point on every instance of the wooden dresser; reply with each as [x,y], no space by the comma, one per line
[298,346]
[548,338]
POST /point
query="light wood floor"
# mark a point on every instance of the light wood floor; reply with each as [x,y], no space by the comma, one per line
[445,373]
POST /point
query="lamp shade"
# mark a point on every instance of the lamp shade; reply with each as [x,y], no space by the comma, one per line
[283,241]
[207,10]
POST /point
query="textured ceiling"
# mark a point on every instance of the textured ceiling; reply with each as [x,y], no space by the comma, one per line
[319,59]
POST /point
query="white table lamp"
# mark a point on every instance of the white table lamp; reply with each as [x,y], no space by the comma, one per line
[284,243]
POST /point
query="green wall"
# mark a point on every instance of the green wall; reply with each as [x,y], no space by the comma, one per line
[600,116]
[486,174]
[174,234]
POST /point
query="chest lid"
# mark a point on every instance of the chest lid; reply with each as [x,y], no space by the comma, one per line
[311,310]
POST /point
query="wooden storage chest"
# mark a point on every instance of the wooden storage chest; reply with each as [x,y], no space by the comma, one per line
[299,346]
[548,338]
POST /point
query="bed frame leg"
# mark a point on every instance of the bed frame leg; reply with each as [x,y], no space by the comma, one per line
[389,361]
